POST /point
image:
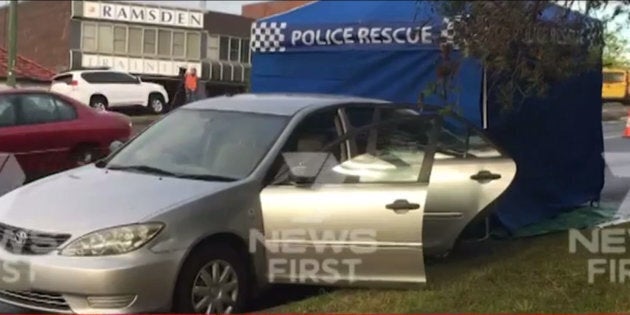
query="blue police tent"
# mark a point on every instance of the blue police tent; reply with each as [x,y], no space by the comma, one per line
[387,50]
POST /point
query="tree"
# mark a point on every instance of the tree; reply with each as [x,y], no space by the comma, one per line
[615,49]
[523,53]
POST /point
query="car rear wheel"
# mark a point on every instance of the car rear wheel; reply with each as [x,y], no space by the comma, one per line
[156,103]
[214,280]
[98,103]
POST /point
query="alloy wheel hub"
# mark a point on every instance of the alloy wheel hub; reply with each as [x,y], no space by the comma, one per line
[157,105]
[215,289]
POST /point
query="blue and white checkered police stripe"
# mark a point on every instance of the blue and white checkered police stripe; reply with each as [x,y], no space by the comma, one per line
[268,37]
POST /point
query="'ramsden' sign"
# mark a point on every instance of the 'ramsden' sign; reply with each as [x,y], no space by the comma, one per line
[142,14]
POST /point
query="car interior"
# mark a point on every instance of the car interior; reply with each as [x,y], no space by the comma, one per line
[8,116]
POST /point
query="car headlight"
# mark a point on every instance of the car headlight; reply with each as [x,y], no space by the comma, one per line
[113,241]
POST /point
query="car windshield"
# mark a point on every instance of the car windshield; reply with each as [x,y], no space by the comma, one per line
[201,144]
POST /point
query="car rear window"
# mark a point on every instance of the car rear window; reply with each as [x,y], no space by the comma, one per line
[65,78]
[614,77]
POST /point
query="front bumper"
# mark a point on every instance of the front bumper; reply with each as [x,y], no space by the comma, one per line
[138,282]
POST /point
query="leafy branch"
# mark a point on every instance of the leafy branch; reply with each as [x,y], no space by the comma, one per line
[525,46]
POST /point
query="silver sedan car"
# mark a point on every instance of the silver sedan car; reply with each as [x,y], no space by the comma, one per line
[226,196]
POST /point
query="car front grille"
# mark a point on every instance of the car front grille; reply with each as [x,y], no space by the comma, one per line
[29,242]
[38,300]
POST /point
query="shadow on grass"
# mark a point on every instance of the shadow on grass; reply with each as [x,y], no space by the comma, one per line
[440,271]
[284,294]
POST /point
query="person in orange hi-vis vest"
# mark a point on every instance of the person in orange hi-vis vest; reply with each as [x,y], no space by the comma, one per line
[191,85]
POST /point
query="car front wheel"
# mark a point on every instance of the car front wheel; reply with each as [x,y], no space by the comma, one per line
[214,280]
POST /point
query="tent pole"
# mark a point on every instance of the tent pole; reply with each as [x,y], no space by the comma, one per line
[484,101]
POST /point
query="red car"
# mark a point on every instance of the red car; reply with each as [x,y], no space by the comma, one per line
[48,132]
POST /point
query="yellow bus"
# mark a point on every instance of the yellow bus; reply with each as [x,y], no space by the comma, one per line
[616,85]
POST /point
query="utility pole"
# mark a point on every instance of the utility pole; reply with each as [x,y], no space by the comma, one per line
[12,43]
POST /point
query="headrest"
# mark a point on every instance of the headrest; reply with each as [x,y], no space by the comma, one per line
[311,143]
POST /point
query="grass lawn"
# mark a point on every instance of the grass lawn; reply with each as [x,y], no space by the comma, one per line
[535,275]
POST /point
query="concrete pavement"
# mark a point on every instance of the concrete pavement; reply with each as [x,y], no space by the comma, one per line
[617,154]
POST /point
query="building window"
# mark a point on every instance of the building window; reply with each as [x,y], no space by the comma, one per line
[245,51]
[88,34]
[135,41]
[105,39]
[213,47]
[224,48]
[193,46]
[164,42]
[120,39]
[179,44]
[149,42]
[235,49]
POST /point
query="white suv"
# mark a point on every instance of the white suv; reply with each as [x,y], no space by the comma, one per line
[103,89]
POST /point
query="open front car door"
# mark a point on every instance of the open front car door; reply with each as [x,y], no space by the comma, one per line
[347,202]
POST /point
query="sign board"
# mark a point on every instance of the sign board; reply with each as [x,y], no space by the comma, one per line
[123,12]
[270,37]
[138,65]
[275,37]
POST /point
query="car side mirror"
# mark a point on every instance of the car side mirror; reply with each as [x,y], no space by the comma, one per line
[300,175]
[304,167]
[115,145]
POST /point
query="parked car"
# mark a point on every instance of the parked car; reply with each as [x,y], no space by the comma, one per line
[104,89]
[616,85]
[228,195]
[48,132]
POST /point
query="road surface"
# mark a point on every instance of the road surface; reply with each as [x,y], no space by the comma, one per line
[614,191]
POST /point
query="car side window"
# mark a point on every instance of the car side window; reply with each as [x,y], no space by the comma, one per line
[65,111]
[94,77]
[394,152]
[388,151]
[8,111]
[460,140]
[309,144]
[39,109]
[122,78]
[108,77]
[359,116]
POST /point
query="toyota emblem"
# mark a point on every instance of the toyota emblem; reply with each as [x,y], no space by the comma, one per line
[20,238]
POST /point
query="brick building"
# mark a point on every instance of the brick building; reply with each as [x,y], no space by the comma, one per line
[153,42]
[265,9]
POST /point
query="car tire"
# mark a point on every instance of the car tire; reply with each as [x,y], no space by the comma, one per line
[230,264]
[99,102]
[156,104]
[83,155]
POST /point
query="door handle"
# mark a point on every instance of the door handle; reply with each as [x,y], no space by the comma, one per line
[485,176]
[402,204]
